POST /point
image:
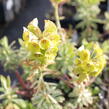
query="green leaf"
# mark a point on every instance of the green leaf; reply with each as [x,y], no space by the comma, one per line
[4,42]
[20,102]
[3,81]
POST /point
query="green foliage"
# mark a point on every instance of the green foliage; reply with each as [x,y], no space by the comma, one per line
[107,21]
[10,57]
[10,99]
[48,97]
[82,97]
[105,47]
[87,13]
[64,60]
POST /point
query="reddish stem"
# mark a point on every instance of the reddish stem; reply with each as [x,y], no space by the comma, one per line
[67,82]
[24,93]
[21,81]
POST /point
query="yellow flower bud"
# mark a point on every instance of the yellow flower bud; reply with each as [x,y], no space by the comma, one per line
[44,44]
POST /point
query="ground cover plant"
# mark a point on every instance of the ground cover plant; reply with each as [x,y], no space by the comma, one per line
[52,71]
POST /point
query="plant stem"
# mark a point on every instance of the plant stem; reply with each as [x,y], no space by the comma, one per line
[66,82]
[57,17]
[24,93]
[21,81]
[58,22]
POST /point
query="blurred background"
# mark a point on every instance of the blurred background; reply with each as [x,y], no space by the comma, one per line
[14,14]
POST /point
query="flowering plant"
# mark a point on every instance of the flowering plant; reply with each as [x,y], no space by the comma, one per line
[56,73]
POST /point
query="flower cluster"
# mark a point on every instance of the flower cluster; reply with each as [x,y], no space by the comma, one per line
[42,46]
[89,61]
